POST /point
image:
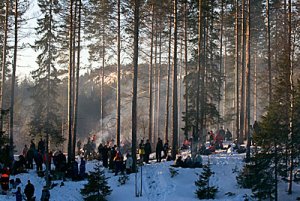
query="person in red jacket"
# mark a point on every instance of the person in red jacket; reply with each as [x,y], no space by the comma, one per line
[219,141]
[5,180]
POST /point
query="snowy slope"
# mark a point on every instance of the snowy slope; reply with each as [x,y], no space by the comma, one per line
[157,184]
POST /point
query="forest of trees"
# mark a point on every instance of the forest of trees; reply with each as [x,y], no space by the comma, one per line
[170,69]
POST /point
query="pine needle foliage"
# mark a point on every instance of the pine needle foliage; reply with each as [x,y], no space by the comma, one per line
[173,172]
[205,191]
[97,188]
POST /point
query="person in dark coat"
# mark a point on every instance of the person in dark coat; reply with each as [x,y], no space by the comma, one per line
[82,168]
[104,154]
[39,161]
[5,179]
[41,146]
[118,159]
[147,151]
[159,148]
[74,170]
[29,158]
[112,154]
[228,135]
[25,150]
[29,190]
[32,145]
[100,151]
[61,162]
[222,132]
[45,194]
[178,162]
[19,195]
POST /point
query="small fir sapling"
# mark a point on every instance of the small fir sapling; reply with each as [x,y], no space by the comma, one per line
[205,190]
[97,188]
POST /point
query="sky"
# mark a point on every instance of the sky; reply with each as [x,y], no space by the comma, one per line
[26,60]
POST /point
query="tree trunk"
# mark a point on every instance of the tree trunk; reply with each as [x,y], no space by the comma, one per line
[175,102]
[118,129]
[102,83]
[48,99]
[70,83]
[290,68]
[269,49]
[221,61]
[225,80]
[276,172]
[151,81]
[186,68]
[255,89]
[13,81]
[242,89]
[155,85]
[196,130]
[74,76]
[135,76]
[3,66]
[203,74]
[180,90]
[76,79]
[237,71]
[248,80]
[168,82]
[158,89]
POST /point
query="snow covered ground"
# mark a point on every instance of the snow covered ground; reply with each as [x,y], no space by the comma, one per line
[157,184]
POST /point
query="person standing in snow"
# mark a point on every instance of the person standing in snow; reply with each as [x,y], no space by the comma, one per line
[32,145]
[112,154]
[128,163]
[19,195]
[104,154]
[41,146]
[82,168]
[118,159]
[228,135]
[222,132]
[159,149]
[45,194]
[100,151]
[25,150]
[147,151]
[141,151]
[29,191]
[29,158]
[39,161]
[211,137]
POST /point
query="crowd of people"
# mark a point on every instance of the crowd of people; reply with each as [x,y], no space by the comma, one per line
[111,156]
[36,157]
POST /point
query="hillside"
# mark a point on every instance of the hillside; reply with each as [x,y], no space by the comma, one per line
[157,184]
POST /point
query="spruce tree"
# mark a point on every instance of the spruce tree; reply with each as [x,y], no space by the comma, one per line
[205,191]
[97,187]
[46,118]
[258,175]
